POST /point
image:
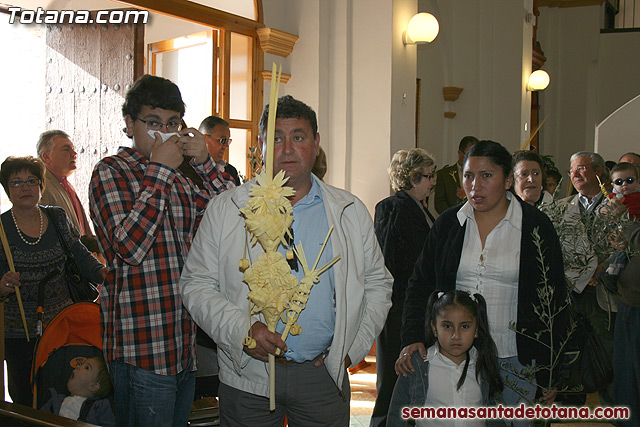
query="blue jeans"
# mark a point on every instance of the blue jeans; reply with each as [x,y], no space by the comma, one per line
[143,398]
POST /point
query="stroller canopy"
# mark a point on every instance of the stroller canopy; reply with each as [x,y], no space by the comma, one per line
[73,335]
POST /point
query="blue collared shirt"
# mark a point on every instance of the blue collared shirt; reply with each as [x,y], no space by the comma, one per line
[317,320]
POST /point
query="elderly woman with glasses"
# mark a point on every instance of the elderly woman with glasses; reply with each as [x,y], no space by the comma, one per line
[402,223]
[39,260]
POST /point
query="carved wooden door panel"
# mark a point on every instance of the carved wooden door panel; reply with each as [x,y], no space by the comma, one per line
[89,69]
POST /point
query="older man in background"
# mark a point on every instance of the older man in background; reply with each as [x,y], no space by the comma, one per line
[631,157]
[589,297]
[59,156]
[218,137]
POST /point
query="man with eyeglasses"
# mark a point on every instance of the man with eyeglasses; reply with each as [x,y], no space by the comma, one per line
[58,154]
[218,136]
[586,168]
[346,308]
[144,211]
[589,296]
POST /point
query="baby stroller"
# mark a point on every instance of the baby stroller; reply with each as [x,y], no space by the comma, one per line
[71,337]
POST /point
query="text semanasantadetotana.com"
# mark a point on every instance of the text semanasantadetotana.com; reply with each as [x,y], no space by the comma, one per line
[521,412]
[41,16]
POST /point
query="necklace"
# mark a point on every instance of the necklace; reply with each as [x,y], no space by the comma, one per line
[20,232]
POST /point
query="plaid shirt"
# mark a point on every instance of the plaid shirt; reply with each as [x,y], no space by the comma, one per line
[144,214]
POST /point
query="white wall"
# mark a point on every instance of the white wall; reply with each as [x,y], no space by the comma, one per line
[619,71]
[403,86]
[485,48]
[592,76]
[371,78]
[619,95]
[344,67]
[570,39]
[620,132]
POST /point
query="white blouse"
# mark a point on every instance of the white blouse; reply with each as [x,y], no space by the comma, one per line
[494,271]
[444,375]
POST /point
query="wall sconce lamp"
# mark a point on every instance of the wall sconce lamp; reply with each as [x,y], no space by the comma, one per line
[423,28]
[538,80]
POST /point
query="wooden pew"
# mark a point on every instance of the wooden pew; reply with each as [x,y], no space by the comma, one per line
[14,415]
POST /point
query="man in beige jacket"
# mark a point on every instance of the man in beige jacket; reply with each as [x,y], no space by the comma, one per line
[59,156]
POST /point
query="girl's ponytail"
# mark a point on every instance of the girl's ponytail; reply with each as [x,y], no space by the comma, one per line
[430,338]
[487,364]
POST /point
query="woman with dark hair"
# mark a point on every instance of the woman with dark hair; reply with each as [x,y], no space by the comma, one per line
[486,246]
[39,261]
[401,225]
[529,178]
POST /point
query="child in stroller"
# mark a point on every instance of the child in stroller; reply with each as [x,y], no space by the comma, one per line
[68,341]
[89,387]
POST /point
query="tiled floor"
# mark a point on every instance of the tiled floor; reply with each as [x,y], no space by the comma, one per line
[363,393]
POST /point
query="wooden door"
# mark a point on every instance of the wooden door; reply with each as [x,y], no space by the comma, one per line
[89,69]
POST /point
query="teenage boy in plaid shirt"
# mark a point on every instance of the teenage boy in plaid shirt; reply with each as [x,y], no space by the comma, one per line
[145,211]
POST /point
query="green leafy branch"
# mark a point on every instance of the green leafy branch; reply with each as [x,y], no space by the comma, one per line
[547,311]
[585,237]
[255,163]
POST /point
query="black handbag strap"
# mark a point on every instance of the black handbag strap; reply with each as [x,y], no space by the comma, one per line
[65,248]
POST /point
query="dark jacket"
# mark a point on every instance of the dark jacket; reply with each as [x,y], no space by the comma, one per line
[188,171]
[628,282]
[437,267]
[401,229]
[411,391]
[98,413]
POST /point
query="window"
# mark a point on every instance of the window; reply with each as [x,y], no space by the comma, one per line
[229,61]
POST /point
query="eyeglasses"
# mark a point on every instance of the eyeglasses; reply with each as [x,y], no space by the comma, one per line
[580,169]
[172,126]
[629,180]
[30,182]
[222,141]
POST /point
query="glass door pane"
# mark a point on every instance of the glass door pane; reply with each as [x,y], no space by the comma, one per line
[238,149]
[241,78]
[189,62]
